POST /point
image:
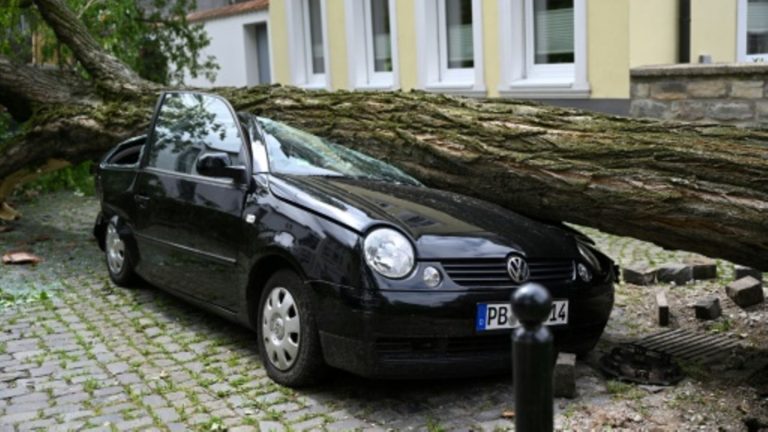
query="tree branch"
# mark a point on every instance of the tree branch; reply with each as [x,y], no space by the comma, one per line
[24,87]
[109,72]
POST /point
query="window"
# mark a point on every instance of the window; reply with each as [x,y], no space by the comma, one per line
[450,45]
[753,30]
[543,48]
[190,125]
[307,42]
[372,44]
[257,56]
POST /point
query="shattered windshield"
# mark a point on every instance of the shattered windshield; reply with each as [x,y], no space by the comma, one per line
[295,152]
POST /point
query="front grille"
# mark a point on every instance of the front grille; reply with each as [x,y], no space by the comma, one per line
[492,272]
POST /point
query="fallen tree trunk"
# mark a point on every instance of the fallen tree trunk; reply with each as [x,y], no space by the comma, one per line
[702,188]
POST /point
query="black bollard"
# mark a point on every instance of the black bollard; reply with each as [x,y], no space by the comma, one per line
[532,355]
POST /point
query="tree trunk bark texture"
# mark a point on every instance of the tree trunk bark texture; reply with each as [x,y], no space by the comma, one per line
[702,188]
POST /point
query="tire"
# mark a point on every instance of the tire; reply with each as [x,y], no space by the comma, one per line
[117,255]
[289,344]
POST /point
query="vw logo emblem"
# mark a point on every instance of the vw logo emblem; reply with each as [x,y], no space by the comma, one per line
[518,269]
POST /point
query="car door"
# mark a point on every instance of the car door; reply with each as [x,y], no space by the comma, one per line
[190,225]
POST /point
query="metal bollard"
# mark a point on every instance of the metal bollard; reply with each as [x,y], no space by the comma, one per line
[532,355]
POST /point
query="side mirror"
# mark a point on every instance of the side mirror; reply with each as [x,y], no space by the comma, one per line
[219,165]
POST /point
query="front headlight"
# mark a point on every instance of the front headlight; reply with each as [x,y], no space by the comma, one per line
[589,257]
[389,253]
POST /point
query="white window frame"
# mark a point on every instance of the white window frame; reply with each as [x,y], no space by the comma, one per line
[741,37]
[432,51]
[300,45]
[360,52]
[520,76]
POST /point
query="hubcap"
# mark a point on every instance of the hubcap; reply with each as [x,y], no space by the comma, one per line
[115,250]
[280,328]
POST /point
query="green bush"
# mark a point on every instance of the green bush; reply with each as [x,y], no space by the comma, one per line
[78,179]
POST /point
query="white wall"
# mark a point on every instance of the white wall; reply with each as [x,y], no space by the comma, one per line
[230,44]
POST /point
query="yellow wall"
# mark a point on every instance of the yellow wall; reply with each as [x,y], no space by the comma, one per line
[653,32]
[406,44]
[491,48]
[713,29]
[337,43]
[278,38]
[608,48]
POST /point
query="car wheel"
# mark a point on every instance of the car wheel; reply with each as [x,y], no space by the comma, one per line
[118,256]
[288,339]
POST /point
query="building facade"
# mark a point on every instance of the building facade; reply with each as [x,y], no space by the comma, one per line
[570,52]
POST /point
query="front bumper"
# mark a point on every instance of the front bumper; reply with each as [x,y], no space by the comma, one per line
[407,334]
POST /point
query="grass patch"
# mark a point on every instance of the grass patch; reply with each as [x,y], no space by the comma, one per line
[622,390]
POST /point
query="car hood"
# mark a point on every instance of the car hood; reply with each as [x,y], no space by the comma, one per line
[442,224]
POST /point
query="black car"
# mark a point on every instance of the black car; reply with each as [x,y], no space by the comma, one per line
[331,256]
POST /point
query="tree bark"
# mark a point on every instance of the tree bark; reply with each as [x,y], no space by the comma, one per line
[702,188]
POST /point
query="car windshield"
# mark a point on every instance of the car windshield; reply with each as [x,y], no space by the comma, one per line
[292,151]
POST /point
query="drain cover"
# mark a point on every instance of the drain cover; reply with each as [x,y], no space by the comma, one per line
[634,363]
[690,345]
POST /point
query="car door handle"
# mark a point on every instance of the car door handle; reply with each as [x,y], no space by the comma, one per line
[141,200]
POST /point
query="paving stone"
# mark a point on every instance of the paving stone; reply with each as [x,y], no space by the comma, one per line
[311,424]
[140,422]
[13,392]
[708,308]
[118,368]
[746,291]
[742,272]
[638,275]
[272,426]
[679,274]
[564,376]
[17,417]
[166,415]
[245,428]
[40,424]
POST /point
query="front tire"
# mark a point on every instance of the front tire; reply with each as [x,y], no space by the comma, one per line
[120,262]
[289,344]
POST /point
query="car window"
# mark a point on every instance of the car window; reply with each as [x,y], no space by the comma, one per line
[296,152]
[190,125]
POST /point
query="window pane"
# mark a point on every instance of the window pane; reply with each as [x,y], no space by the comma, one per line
[382,41]
[553,31]
[190,125]
[757,27]
[316,37]
[458,17]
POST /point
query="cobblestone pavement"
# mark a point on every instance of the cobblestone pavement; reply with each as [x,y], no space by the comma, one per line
[78,353]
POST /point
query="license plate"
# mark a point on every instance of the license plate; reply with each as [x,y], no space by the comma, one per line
[498,316]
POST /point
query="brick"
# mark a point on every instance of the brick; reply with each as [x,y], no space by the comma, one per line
[669,90]
[638,275]
[708,88]
[703,268]
[746,291]
[708,308]
[742,272]
[564,376]
[662,307]
[648,108]
[640,90]
[690,110]
[731,110]
[679,274]
[747,89]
